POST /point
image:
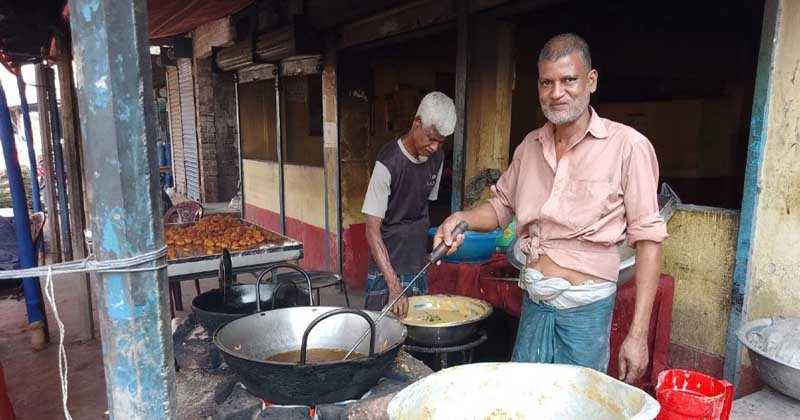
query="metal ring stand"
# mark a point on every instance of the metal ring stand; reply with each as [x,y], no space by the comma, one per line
[465,349]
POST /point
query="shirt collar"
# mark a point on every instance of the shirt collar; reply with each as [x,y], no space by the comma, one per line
[421,159]
[596,126]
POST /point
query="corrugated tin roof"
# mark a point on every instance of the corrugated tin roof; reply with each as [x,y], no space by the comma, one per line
[27,26]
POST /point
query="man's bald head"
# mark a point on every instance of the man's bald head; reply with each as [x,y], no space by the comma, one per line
[563,45]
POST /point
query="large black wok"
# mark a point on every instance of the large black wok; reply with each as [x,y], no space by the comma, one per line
[209,310]
[248,342]
[217,307]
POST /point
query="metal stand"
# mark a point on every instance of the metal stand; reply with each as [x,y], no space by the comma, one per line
[465,349]
[319,280]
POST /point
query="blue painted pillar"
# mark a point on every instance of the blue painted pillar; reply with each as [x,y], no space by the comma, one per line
[22,222]
[115,97]
[752,187]
[26,118]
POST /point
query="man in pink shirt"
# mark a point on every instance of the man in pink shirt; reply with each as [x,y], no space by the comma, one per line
[579,186]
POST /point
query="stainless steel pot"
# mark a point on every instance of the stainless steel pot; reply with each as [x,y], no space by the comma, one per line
[431,333]
[248,342]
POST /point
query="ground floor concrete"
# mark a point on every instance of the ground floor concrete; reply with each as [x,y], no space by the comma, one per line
[32,378]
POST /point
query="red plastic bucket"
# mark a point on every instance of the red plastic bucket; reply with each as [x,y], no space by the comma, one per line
[685,395]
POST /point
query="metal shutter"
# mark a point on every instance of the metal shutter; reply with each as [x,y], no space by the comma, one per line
[189,126]
[176,131]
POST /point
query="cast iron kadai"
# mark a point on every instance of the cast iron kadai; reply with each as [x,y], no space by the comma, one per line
[247,343]
[217,307]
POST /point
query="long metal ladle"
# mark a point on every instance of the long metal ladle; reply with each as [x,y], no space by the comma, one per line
[435,256]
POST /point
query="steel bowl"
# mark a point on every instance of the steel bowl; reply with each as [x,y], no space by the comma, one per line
[470,313]
[521,391]
[781,376]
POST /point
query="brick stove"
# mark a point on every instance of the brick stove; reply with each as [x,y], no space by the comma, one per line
[207,389]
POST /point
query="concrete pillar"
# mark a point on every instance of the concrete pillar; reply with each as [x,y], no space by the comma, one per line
[216,113]
[115,95]
[774,283]
[766,282]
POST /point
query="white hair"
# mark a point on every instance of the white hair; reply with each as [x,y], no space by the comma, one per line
[437,110]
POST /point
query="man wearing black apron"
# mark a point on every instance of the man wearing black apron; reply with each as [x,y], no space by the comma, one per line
[406,176]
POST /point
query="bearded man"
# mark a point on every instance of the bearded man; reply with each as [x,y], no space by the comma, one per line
[579,186]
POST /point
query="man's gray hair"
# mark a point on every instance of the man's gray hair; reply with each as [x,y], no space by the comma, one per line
[566,44]
[437,110]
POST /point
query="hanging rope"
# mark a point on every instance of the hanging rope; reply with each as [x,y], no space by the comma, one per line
[86,265]
[63,369]
[91,265]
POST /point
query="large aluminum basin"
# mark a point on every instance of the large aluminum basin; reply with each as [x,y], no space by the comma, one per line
[521,391]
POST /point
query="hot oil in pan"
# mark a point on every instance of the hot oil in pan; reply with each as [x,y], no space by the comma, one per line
[314,356]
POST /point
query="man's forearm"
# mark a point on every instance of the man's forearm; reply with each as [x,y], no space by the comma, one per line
[381,256]
[481,218]
[648,271]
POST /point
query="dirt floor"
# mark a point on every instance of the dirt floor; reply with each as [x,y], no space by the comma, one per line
[32,378]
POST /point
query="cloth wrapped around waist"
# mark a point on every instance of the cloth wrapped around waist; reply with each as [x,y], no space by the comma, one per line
[560,293]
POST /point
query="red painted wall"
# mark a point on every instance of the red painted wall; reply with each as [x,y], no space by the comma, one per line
[354,244]
[684,357]
[312,237]
[356,255]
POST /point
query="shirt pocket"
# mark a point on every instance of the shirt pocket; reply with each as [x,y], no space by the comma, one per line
[585,202]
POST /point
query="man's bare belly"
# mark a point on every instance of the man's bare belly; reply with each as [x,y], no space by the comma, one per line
[549,268]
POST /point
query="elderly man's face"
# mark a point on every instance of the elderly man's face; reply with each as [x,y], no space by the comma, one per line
[426,140]
[564,88]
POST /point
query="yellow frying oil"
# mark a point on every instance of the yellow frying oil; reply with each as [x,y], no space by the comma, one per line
[314,356]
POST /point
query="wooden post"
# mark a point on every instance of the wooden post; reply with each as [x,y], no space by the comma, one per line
[281,135]
[49,178]
[330,142]
[459,138]
[490,91]
[58,160]
[72,163]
